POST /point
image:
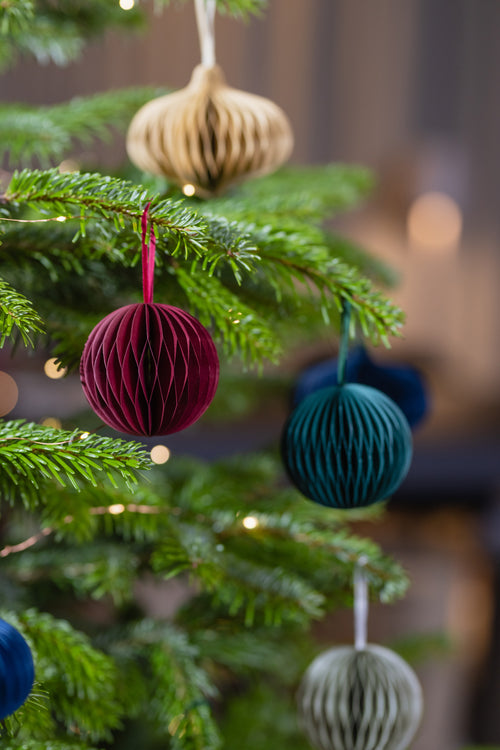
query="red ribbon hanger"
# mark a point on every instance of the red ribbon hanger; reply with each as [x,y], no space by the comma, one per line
[148,257]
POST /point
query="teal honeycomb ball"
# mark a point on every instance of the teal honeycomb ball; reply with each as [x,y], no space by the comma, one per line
[347,446]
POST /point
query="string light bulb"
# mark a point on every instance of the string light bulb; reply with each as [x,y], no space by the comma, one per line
[188,189]
[250,522]
[9,393]
[127,4]
[53,370]
[160,454]
[434,221]
[53,422]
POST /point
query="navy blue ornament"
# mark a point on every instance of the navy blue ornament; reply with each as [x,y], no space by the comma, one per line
[403,383]
[16,669]
[348,445]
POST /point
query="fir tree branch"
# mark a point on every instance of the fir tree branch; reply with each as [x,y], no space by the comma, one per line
[15,15]
[240,326]
[47,133]
[176,680]
[67,665]
[283,256]
[95,570]
[56,31]
[32,721]
[17,314]
[295,196]
[31,454]
[33,744]
[82,196]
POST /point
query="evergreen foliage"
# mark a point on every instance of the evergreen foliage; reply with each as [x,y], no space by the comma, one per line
[85,530]
[54,30]
[48,133]
[17,314]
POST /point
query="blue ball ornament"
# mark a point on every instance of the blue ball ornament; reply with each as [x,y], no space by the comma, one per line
[16,669]
[403,383]
[347,446]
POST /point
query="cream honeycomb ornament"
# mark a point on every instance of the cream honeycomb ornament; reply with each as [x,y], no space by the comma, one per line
[361,697]
[208,135]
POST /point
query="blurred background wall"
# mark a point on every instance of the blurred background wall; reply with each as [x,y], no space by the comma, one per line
[410,88]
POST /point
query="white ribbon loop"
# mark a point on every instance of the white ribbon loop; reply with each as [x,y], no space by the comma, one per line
[360,605]
[205,19]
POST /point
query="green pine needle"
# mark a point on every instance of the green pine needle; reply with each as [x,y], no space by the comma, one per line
[48,133]
[17,314]
[31,454]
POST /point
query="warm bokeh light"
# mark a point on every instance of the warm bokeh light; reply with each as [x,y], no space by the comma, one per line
[250,522]
[188,189]
[52,422]
[84,435]
[434,221]
[160,454]
[8,393]
[127,4]
[116,509]
[69,165]
[54,371]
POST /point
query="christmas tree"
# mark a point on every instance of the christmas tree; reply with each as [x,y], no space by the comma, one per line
[85,516]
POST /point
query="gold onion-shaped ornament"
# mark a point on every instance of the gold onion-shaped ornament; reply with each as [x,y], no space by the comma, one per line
[209,135]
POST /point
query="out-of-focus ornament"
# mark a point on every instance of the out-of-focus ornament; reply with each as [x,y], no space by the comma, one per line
[368,699]
[149,368]
[348,445]
[361,697]
[404,384]
[16,669]
[208,135]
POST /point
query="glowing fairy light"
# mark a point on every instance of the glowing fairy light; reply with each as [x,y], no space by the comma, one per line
[52,422]
[127,4]
[116,509]
[434,221]
[53,370]
[68,165]
[188,189]
[160,454]
[9,393]
[250,522]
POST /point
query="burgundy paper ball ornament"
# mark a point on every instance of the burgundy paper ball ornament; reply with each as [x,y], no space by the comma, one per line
[148,368]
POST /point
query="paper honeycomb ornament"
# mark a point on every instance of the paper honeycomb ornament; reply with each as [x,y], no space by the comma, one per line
[209,135]
[148,368]
[16,669]
[347,445]
[360,699]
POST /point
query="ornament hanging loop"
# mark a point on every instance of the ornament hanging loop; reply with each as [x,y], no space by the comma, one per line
[205,20]
[345,322]
[360,604]
[148,257]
